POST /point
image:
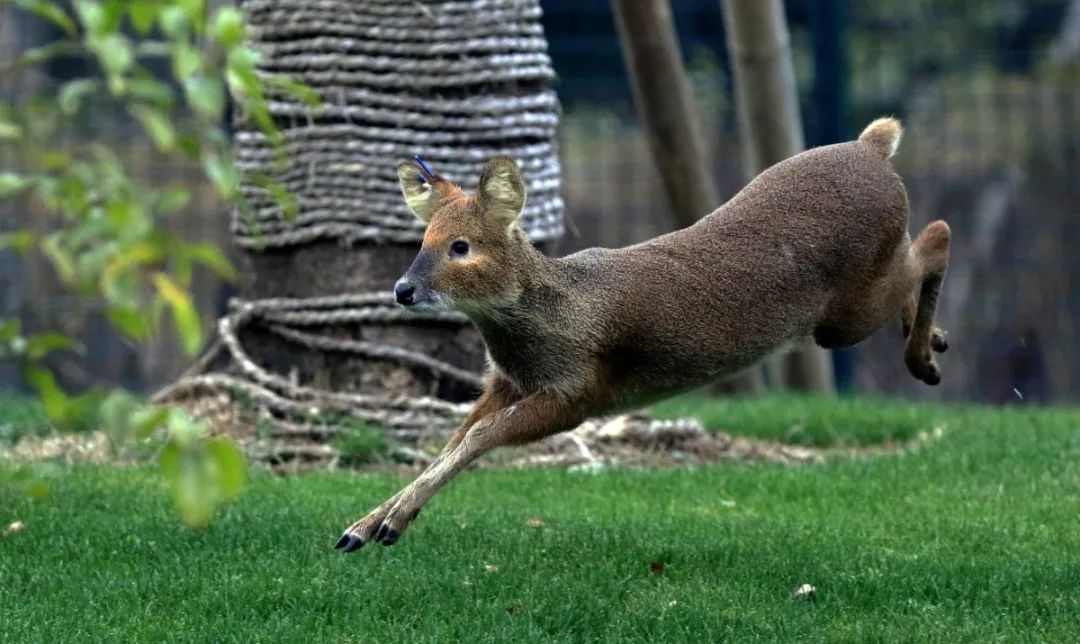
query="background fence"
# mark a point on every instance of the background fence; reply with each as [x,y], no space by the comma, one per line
[989,91]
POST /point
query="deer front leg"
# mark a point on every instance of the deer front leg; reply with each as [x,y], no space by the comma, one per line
[498,394]
[527,420]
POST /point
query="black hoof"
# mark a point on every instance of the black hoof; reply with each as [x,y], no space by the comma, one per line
[354,543]
[386,535]
[391,537]
[342,541]
[939,343]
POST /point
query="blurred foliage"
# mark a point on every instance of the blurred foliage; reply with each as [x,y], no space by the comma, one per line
[895,45]
[168,66]
[202,472]
[34,481]
[360,442]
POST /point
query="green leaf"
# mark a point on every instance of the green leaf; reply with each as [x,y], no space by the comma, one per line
[296,89]
[21,241]
[92,15]
[230,464]
[53,399]
[140,254]
[180,266]
[53,160]
[212,258]
[147,420]
[201,476]
[174,22]
[187,61]
[240,73]
[36,55]
[187,319]
[131,322]
[143,14]
[151,90]
[184,429]
[285,199]
[114,15]
[9,330]
[228,26]
[193,8]
[222,172]
[114,52]
[206,95]
[52,12]
[189,485]
[10,131]
[73,92]
[38,490]
[116,415]
[62,260]
[11,183]
[41,344]
[122,214]
[172,199]
[82,411]
[156,125]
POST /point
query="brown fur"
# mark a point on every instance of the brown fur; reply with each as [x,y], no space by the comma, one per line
[816,245]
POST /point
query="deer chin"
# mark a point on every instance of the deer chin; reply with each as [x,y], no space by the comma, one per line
[434,302]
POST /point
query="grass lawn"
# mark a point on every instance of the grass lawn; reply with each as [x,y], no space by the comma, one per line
[808,420]
[974,537]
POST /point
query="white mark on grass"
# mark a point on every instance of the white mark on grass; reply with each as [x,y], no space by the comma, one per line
[804,592]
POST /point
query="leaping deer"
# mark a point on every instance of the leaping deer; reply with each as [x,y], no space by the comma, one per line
[816,245]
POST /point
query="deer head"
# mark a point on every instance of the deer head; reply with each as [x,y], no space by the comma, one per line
[470,255]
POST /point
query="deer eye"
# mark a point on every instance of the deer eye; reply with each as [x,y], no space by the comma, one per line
[459,248]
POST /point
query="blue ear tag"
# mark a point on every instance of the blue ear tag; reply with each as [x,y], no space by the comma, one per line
[421,178]
[427,170]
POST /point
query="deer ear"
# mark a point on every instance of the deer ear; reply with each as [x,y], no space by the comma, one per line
[502,190]
[419,195]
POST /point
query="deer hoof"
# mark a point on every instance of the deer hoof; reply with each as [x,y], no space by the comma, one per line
[924,368]
[349,542]
[938,342]
[386,535]
[928,372]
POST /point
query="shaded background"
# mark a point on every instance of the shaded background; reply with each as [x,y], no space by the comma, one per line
[988,91]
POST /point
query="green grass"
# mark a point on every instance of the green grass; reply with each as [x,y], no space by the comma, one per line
[807,420]
[974,537]
[20,415]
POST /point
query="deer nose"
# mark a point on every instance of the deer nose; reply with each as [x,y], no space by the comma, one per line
[404,291]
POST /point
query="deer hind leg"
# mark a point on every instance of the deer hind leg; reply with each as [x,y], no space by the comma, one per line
[938,337]
[930,256]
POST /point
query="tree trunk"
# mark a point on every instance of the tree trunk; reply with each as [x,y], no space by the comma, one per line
[768,106]
[665,106]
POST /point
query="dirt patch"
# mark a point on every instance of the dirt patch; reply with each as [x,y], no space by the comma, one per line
[91,447]
[639,440]
[634,440]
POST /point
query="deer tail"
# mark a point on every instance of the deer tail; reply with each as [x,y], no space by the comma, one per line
[883,136]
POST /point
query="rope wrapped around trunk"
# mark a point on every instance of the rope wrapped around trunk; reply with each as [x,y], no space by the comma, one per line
[456,82]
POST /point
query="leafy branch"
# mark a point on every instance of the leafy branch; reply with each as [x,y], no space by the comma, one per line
[168,66]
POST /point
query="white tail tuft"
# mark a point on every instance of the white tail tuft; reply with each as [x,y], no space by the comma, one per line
[883,135]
